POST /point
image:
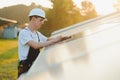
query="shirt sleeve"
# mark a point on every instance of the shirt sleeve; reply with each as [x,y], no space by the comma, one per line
[42,37]
[24,37]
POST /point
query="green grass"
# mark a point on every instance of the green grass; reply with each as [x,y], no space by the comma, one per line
[8,59]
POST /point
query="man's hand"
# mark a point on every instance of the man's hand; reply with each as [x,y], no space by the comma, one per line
[65,37]
[61,38]
[57,39]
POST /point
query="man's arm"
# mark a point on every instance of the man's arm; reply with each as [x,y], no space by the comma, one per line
[52,41]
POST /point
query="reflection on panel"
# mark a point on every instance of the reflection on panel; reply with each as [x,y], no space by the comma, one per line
[92,53]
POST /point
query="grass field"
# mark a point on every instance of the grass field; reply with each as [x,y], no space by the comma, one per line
[8,59]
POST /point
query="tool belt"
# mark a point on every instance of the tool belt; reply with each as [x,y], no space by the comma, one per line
[23,66]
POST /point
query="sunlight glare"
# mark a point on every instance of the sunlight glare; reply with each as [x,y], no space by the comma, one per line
[102,6]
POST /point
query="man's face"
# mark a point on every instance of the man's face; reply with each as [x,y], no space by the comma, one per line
[39,22]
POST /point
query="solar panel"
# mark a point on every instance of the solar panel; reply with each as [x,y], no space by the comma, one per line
[92,53]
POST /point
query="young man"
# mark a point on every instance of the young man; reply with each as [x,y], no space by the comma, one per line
[30,40]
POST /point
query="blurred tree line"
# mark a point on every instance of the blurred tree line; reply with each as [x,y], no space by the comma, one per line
[117,5]
[62,14]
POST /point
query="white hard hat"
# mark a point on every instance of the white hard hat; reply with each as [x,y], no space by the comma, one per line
[37,12]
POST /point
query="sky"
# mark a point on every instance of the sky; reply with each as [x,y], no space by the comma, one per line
[6,3]
[102,6]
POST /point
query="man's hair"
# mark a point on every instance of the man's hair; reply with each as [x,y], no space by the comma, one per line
[30,18]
